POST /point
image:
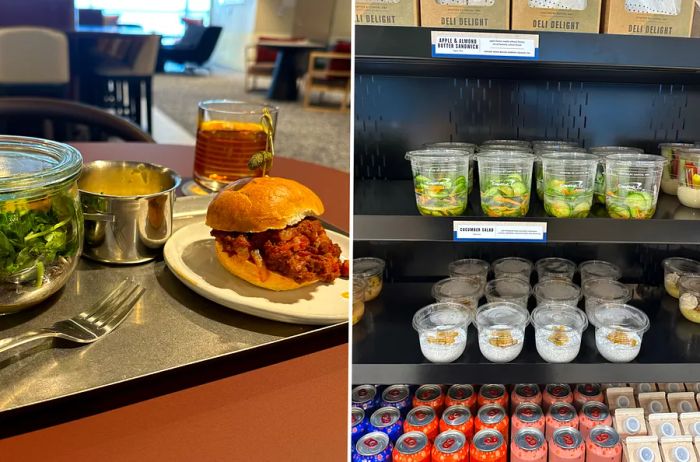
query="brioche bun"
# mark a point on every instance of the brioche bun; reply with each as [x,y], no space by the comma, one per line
[262,203]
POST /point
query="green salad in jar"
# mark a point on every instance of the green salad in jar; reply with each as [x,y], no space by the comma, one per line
[567,199]
[441,197]
[505,196]
[630,204]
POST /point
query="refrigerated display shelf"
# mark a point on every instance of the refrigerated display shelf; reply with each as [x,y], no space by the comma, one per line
[386,349]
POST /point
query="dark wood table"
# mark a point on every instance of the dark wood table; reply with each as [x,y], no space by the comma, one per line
[290,405]
[285,75]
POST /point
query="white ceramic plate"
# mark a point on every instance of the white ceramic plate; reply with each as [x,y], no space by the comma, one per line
[190,255]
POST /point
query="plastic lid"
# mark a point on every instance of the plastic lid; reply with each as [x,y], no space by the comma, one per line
[566,317]
[632,425]
[621,317]
[600,269]
[468,267]
[436,155]
[680,265]
[469,147]
[696,429]
[557,290]
[667,429]
[441,316]
[505,157]
[636,159]
[508,288]
[681,454]
[507,141]
[607,290]
[512,265]
[503,314]
[457,289]
[554,267]
[368,266]
[570,155]
[612,149]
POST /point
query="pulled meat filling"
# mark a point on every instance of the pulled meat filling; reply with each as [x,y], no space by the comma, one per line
[302,252]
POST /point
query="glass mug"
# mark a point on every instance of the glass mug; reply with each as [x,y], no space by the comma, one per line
[228,134]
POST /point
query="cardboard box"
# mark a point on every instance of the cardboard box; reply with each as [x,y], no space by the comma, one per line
[466,14]
[673,19]
[580,16]
[387,12]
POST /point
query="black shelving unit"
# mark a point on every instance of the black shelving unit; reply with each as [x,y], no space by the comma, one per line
[593,88]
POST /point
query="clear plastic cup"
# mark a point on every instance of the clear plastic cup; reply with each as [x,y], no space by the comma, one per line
[674,268]
[522,143]
[469,148]
[598,269]
[558,332]
[602,151]
[442,331]
[501,327]
[359,287]
[503,147]
[618,331]
[555,268]
[689,300]
[688,161]
[512,267]
[440,179]
[601,291]
[372,271]
[615,150]
[632,183]
[555,144]
[513,290]
[463,290]
[669,178]
[569,183]
[505,179]
[548,149]
[557,291]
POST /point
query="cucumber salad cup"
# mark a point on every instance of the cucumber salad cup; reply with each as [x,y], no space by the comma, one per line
[504,180]
[602,151]
[569,183]
[544,147]
[440,179]
[469,148]
[632,183]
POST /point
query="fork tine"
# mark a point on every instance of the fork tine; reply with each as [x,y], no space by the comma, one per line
[123,311]
[108,301]
[108,311]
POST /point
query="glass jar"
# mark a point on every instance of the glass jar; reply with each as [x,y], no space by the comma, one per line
[41,223]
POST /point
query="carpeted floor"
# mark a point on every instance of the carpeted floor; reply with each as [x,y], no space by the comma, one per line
[320,137]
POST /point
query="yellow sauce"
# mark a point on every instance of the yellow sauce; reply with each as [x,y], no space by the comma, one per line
[124,181]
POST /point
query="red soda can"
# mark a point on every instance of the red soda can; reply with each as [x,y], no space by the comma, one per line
[463,395]
[387,420]
[430,395]
[555,393]
[492,416]
[458,418]
[585,392]
[560,415]
[593,414]
[398,396]
[567,445]
[493,394]
[488,446]
[412,447]
[450,446]
[422,419]
[525,393]
[527,415]
[528,445]
[603,445]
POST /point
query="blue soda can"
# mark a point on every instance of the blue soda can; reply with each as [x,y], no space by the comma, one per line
[360,424]
[398,396]
[373,447]
[365,397]
[387,420]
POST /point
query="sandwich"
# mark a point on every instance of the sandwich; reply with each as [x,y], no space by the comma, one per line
[267,233]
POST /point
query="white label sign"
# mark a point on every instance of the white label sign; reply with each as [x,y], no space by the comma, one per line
[453,44]
[500,231]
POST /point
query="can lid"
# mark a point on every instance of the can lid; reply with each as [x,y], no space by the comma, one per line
[395,393]
[428,392]
[528,412]
[411,443]
[558,390]
[456,415]
[358,415]
[385,417]
[450,441]
[492,391]
[527,390]
[460,392]
[363,393]
[567,438]
[562,412]
[588,389]
[372,444]
[604,436]
[681,454]
[491,414]
[595,410]
[529,439]
[488,440]
[420,415]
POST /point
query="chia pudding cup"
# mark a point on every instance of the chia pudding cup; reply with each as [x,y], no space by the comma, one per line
[442,330]
[619,329]
[558,331]
[501,327]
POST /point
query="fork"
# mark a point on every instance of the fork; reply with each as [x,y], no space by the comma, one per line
[89,325]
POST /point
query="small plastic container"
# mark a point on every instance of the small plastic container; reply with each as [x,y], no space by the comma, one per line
[505,179]
[632,183]
[463,290]
[601,291]
[555,144]
[558,331]
[602,151]
[569,183]
[512,267]
[508,289]
[359,288]
[689,300]
[501,328]
[598,269]
[372,270]
[521,143]
[669,178]
[674,268]
[470,267]
[442,331]
[688,162]
[557,291]
[555,268]
[549,149]
[469,148]
[440,180]
[619,331]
